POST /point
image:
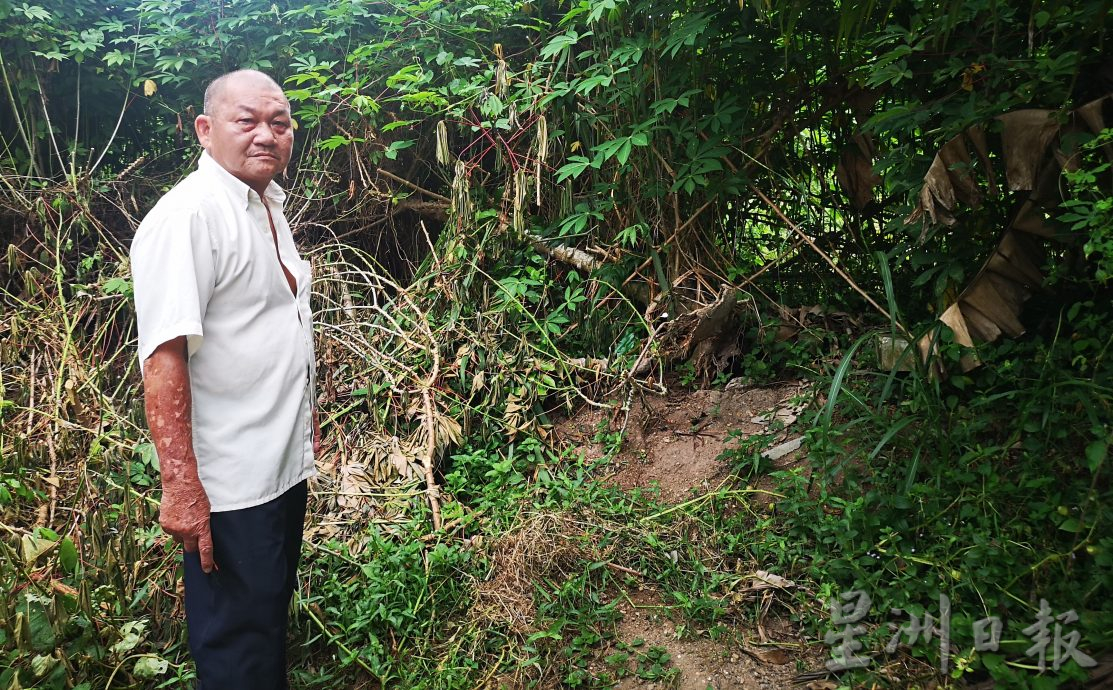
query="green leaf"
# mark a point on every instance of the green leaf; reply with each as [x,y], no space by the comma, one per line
[114,58]
[407,75]
[430,99]
[1096,453]
[396,146]
[573,168]
[599,7]
[995,664]
[588,85]
[708,165]
[147,454]
[624,152]
[475,9]
[492,106]
[118,286]
[1071,525]
[561,42]
[67,555]
[365,104]
[150,666]
[391,126]
[334,142]
[34,608]
[33,12]
[131,634]
[628,53]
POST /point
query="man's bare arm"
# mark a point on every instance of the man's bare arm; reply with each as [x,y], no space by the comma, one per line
[185,506]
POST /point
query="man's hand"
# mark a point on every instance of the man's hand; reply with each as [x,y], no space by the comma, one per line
[185,505]
[185,516]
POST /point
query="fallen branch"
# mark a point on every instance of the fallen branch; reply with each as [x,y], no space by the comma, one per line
[680,227]
[623,569]
[411,185]
[431,489]
[435,210]
[569,255]
[775,262]
[581,260]
[841,273]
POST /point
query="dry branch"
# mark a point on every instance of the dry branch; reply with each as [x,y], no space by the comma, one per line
[577,258]
[416,188]
[842,274]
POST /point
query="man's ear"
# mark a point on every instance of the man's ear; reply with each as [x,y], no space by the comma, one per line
[203,125]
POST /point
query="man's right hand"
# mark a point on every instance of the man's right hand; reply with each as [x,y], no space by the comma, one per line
[185,516]
[185,505]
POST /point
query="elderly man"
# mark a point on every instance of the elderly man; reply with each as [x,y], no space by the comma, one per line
[226,345]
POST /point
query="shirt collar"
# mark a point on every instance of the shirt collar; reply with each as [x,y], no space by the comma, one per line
[235,186]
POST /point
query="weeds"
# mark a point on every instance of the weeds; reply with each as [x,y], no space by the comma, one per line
[988,487]
[452,545]
[974,488]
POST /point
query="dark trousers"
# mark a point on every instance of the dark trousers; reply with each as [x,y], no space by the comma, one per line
[236,614]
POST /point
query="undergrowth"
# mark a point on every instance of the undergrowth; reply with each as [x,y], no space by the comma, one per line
[510,208]
[987,487]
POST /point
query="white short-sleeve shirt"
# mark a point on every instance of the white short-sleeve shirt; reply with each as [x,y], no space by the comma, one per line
[204,266]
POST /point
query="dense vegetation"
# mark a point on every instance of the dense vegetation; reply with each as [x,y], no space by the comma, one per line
[518,208]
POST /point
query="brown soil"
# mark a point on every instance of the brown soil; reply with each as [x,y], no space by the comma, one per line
[673,446]
[737,660]
[673,443]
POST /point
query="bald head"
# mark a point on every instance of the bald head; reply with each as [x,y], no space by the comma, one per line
[216,93]
[246,127]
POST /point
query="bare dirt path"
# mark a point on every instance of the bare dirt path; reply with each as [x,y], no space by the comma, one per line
[738,660]
[673,445]
[674,442]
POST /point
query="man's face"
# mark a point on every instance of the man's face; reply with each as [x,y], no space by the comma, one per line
[249,132]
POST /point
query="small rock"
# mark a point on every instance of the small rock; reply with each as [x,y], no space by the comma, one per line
[778,452]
